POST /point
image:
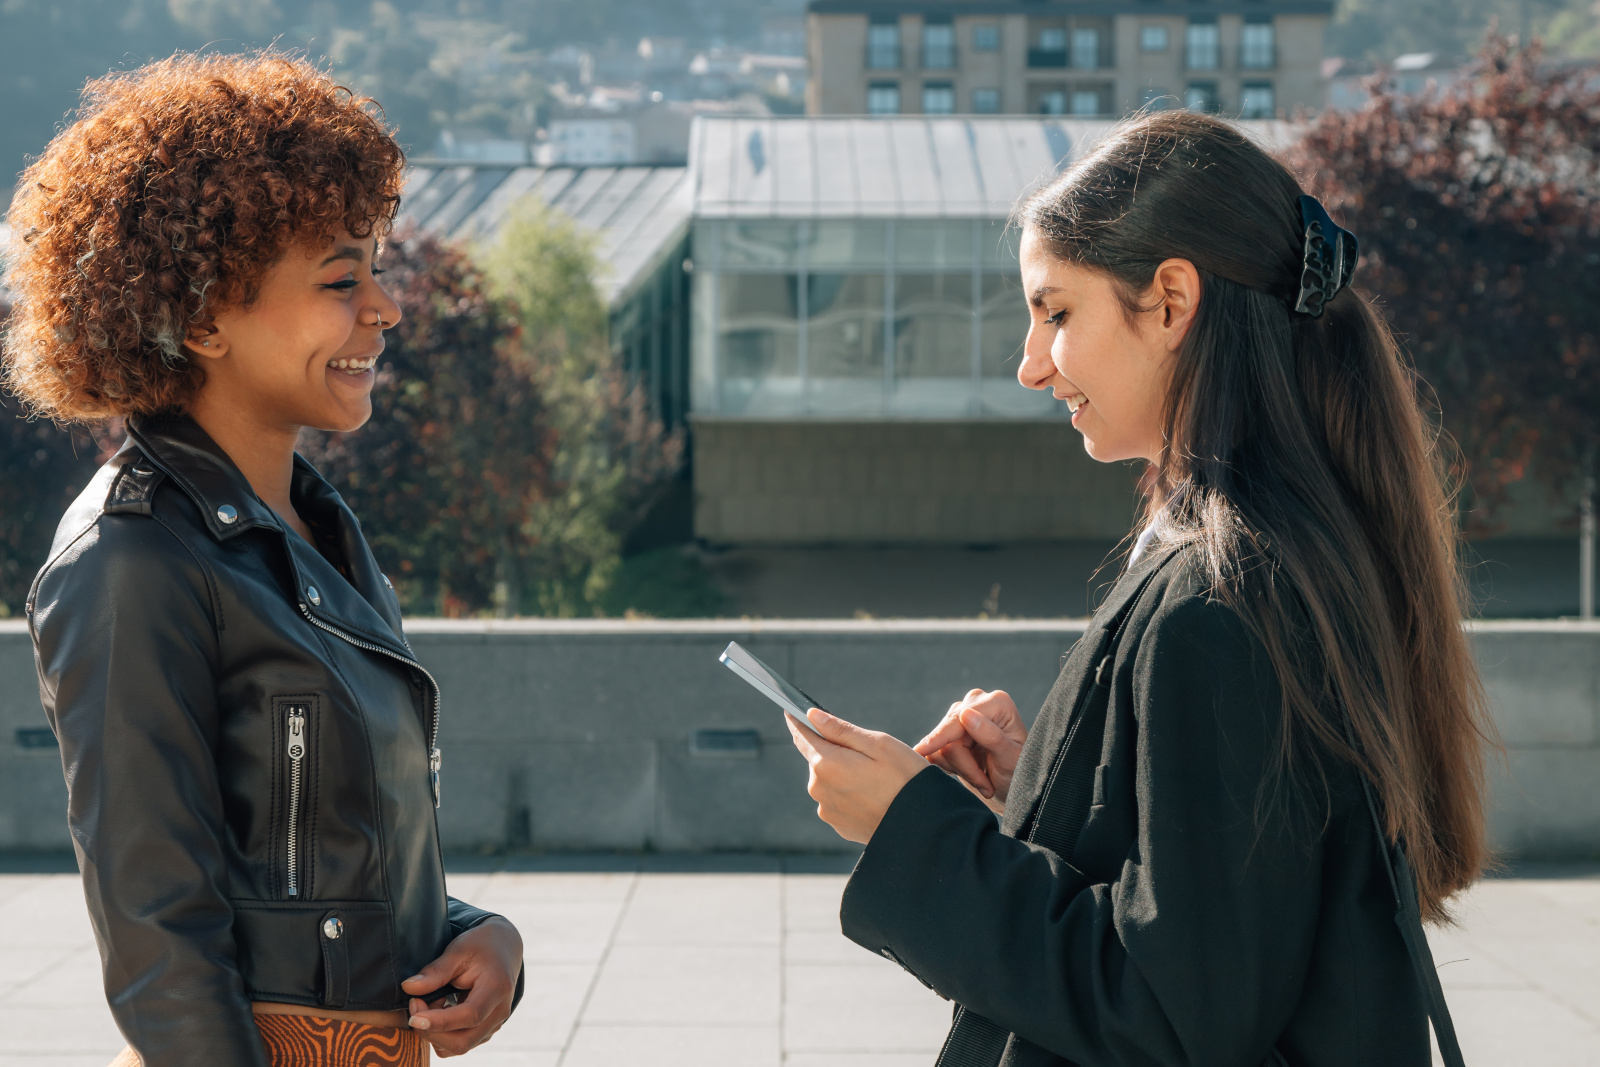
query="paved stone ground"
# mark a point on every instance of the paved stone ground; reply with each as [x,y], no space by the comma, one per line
[739,961]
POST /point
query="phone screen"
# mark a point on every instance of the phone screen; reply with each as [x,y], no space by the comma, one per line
[774,686]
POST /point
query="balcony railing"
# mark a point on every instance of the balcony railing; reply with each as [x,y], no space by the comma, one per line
[1047,57]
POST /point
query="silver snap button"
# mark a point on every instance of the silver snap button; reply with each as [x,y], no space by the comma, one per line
[313,596]
[143,472]
[227,514]
[333,928]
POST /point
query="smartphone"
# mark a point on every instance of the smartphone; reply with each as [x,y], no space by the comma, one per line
[767,681]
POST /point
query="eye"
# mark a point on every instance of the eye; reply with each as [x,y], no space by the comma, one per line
[343,286]
[377,271]
[1058,318]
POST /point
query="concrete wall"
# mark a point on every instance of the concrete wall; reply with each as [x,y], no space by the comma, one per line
[582,735]
[952,483]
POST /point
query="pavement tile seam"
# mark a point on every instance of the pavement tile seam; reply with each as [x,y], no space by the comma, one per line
[594,980]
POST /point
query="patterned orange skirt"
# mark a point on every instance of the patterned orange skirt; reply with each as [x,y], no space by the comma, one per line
[307,1041]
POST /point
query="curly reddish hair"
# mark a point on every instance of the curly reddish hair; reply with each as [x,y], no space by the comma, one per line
[177,188]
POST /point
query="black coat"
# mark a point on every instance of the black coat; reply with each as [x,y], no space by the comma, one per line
[1200,920]
[185,640]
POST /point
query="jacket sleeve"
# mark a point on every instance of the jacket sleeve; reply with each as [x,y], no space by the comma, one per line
[1195,953]
[464,917]
[126,639]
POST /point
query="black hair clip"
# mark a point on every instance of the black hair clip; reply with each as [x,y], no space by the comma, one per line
[1330,258]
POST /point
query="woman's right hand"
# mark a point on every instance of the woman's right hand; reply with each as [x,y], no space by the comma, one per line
[979,740]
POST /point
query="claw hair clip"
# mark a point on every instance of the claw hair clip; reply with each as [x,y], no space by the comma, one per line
[1330,258]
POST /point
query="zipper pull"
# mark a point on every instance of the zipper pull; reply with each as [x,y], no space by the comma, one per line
[297,734]
[435,758]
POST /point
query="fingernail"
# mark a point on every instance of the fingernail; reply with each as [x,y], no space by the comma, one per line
[413,978]
[818,715]
[418,1023]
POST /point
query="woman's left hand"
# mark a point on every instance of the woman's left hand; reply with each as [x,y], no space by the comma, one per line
[855,773]
[485,962]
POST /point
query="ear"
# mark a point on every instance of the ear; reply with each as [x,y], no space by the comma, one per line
[206,341]
[1177,297]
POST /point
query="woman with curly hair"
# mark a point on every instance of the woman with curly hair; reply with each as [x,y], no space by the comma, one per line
[250,746]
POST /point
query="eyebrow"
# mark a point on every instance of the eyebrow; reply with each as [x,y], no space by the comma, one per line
[1037,296]
[351,252]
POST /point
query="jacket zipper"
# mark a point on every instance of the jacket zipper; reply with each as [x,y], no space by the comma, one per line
[434,758]
[297,755]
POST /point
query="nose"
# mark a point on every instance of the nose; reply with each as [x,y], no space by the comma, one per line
[1037,368]
[388,310]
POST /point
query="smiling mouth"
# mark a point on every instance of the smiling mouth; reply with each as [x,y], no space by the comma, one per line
[1073,401]
[353,367]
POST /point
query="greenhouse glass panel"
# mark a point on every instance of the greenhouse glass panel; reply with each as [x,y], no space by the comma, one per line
[844,343]
[758,344]
[999,243]
[933,344]
[759,244]
[933,246]
[846,246]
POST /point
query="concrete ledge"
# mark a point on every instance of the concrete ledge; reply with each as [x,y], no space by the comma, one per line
[578,735]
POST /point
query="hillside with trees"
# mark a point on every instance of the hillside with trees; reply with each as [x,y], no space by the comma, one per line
[1380,30]
[431,63]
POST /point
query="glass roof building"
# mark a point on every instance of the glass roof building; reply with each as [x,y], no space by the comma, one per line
[833,305]
[862,268]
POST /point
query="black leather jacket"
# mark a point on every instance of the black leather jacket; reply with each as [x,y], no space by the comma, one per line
[249,747]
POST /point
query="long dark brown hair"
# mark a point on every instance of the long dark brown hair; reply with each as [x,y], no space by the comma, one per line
[1298,463]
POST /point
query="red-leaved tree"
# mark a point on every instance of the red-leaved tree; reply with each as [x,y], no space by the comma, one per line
[485,482]
[1478,211]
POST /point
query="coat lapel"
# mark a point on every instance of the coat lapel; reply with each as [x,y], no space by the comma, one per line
[1055,719]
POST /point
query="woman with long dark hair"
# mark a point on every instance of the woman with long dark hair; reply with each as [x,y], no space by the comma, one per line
[250,746]
[1272,721]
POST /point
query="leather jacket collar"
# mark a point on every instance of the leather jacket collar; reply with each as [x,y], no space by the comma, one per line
[357,602]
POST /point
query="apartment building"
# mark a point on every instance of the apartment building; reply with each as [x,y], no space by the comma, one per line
[1256,59]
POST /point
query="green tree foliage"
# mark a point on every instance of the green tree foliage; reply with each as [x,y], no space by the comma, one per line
[1478,212]
[506,458]
[611,457]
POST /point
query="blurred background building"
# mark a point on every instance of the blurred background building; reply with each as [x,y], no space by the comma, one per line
[1256,58]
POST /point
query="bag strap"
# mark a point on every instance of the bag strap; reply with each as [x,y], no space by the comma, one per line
[1063,808]
[1408,917]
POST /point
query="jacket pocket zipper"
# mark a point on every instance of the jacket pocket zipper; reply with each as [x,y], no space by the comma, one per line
[296,749]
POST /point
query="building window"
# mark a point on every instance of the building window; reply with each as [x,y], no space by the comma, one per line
[986,38]
[883,98]
[1258,46]
[1203,46]
[1152,38]
[1086,49]
[938,46]
[986,101]
[938,98]
[1086,103]
[1051,50]
[1053,102]
[1201,96]
[1154,99]
[883,45]
[1257,101]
